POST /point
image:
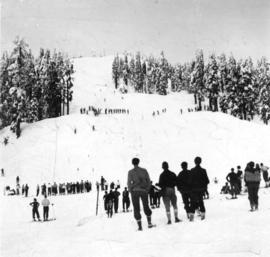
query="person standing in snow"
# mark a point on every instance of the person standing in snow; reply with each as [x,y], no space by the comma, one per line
[35,205]
[264,170]
[109,202]
[138,185]
[116,199]
[198,183]
[183,186]
[45,203]
[252,178]
[232,178]
[239,177]
[26,188]
[125,200]
[167,182]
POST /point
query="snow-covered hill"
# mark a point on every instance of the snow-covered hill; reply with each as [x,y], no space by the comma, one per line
[50,150]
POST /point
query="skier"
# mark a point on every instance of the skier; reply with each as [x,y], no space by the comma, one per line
[109,201]
[17,180]
[37,190]
[2,173]
[198,182]
[183,186]
[125,200]
[102,182]
[104,199]
[35,205]
[232,178]
[45,203]
[239,177]
[116,199]
[26,188]
[138,186]
[264,170]
[252,178]
[167,182]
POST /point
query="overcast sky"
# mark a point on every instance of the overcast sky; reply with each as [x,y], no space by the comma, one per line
[178,27]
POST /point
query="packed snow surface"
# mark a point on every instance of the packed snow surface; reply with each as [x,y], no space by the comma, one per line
[50,150]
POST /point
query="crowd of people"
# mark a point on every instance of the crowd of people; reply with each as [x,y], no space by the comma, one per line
[250,179]
[98,111]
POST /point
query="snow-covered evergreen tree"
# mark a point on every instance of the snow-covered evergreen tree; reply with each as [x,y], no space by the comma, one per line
[263,82]
[212,83]
[115,71]
[197,79]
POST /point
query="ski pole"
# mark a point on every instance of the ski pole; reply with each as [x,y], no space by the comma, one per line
[97,201]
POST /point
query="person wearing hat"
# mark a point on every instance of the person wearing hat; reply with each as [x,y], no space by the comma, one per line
[198,183]
[35,205]
[167,183]
[139,184]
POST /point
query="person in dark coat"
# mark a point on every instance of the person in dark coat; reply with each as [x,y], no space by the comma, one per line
[109,201]
[116,200]
[26,188]
[125,200]
[35,205]
[183,186]
[252,178]
[104,199]
[198,183]
[232,178]
[167,183]
[239,174]
[37,190]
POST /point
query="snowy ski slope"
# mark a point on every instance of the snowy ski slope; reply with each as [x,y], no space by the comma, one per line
[50,151]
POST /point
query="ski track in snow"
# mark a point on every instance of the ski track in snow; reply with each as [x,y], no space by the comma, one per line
[49,151]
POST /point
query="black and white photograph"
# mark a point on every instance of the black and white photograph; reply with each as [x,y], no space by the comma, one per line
[135,128]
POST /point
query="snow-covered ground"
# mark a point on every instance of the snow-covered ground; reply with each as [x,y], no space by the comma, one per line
[50,151]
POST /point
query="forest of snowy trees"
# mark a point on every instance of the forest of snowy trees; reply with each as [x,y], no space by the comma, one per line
[238,87]
[34,88]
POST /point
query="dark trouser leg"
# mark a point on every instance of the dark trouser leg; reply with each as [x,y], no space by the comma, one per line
[136,205]
[250,195]
[146,209]
[256,197]
[200,203]
[186,202]
[197,202]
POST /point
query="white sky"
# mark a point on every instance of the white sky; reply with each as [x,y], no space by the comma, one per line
[178,27]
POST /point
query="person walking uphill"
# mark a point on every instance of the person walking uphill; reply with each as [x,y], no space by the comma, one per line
[252,179]
[138,186]
[167,182]
[198,183]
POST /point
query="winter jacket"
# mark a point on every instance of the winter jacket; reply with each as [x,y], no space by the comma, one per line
[167,179]
[232,177]
[138,180]
[45,202]
[183,181]
[35,205]
[198,179]
[252,175]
